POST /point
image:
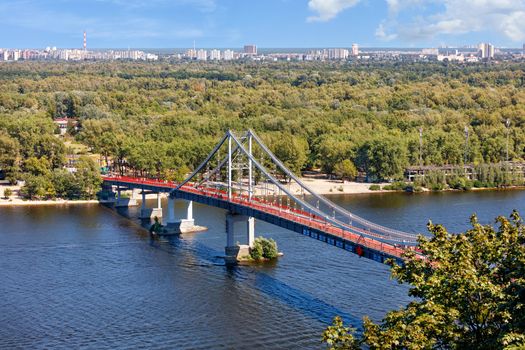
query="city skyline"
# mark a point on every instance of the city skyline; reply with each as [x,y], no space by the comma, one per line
[269,24]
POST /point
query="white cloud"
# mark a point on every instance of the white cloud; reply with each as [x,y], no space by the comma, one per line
[504,17]
[381,33]
[328,9]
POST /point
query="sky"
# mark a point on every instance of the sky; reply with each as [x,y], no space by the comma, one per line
[266,23]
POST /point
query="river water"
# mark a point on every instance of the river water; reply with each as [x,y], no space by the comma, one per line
[85,276]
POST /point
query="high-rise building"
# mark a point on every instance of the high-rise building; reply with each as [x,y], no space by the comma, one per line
[337,54]
[250,49]
[191,53]
[227,55]
[202,55]
[486,50]
[355,50]
[215,55]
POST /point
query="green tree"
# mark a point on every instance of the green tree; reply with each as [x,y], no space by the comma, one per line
[66,184]
[331,151]
[9,154]
[383,158]
[291,150]
[264,248]
[339,337]
[345,170]
[469,291]
[37,187]
[37,166]
[88,177]
[8,193]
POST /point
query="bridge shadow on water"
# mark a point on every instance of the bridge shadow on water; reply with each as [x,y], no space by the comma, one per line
[200,255]
[257,278]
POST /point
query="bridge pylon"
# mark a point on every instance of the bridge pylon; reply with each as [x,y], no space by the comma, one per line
[182,225]
[244,177]
[234,250]
[242,170]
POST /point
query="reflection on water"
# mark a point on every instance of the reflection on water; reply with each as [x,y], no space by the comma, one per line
[87,277]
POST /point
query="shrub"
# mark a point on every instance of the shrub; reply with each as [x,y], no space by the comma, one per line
[374,187]
[396,186]
[413,188]
[459,183]
[256,252]
[437,187]
[8,193]
[478,184]
[264,248]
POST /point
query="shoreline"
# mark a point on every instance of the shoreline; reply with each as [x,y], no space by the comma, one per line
[320,186]
[17,202]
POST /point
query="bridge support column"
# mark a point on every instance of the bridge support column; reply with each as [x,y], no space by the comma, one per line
[143,203]
[188,224]
[125,202]
[184,225]
[171,211]
[148,213]
[233,250]
[251,231]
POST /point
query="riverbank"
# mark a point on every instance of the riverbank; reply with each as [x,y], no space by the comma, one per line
[23,202]
[326,186]
[319,186]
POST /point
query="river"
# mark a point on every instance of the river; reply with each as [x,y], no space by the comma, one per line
[85,276]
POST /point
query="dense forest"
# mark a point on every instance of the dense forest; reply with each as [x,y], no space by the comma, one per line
[163,119]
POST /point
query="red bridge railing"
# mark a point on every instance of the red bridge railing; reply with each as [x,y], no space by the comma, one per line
[292,214]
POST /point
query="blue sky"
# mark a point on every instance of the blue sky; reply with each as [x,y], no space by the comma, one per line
[267,23]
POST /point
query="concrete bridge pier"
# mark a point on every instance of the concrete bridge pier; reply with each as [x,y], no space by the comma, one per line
[186,225]
[125,202]
[233,250]
[148,213]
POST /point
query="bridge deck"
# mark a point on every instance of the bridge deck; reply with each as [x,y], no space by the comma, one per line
[354,239]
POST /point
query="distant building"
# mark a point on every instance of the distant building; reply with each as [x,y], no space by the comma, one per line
[63,123]
[430,52]
[355,50]
[486,50]
[202,55]
[250,49]
[338,54]
[215,55]
[228,55]
[456,56]
[191,53]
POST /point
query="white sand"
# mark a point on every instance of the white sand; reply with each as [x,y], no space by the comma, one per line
[325,187]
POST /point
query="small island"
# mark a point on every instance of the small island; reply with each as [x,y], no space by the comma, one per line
[263,250]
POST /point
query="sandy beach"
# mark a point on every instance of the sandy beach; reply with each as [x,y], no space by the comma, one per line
[324,186]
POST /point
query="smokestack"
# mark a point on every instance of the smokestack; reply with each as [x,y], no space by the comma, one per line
[85,41]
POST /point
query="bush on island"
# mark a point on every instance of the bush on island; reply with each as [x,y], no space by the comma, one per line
[264,248]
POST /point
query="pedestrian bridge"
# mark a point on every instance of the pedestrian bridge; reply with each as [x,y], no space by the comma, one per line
[242,176]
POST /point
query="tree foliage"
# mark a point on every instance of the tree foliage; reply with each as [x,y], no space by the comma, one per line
[153,118]
[264,248]
[339,337]
[345,169]
[469,291]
